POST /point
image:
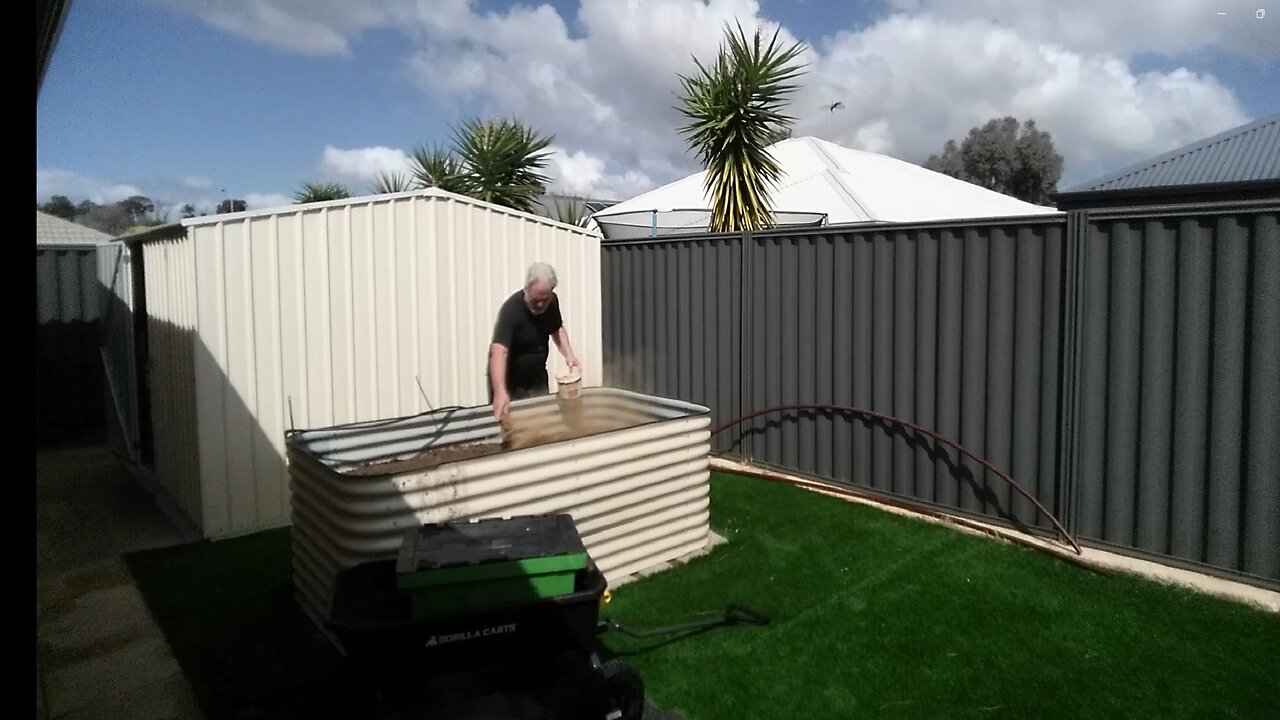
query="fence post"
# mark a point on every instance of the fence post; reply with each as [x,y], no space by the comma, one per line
[1073,294]
[744,345]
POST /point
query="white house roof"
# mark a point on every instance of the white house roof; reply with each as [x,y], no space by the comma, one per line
[848,186]
[53,230]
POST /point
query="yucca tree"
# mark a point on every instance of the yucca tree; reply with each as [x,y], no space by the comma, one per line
[318,192]
[391,182]
[437,167]
[501,162]
[735,110]
[568,210]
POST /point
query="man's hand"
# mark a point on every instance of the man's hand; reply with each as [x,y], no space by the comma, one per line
[572,361]
[501,405]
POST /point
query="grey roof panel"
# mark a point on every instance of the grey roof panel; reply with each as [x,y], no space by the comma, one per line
[1248,153]
[53,230]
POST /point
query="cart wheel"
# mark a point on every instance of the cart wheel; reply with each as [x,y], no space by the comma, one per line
[622,691]
[572,677]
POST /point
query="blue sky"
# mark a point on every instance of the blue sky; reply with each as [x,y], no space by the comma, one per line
[196,100]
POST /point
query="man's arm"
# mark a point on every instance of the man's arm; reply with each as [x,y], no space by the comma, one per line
[498,379]
[499,349]
[561,338]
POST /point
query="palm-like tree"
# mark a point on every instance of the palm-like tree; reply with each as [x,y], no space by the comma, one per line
[497,161]
[319,192]
[501,162]
[567,210]
[735,111]
[392,182]
[438,167]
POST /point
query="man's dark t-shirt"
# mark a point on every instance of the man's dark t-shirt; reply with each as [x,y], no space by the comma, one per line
[525,336]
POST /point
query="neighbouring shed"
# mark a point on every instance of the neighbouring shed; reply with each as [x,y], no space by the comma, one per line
[251,324]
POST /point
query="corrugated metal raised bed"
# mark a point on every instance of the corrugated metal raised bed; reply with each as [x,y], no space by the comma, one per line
[632,469]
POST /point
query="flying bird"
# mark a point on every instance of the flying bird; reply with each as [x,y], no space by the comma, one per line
[835,106]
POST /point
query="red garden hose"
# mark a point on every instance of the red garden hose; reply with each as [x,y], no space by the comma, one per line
[1062,531]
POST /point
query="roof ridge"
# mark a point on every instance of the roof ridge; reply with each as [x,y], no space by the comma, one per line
[829,174]
[1226,136]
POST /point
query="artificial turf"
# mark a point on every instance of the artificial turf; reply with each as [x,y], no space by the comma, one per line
[873,615]
[876,615]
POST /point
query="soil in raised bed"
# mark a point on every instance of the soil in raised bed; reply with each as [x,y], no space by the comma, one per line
[521,434]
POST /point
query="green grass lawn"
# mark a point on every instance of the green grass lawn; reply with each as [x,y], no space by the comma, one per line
[874,615]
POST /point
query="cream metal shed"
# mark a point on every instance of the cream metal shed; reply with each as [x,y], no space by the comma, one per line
[321,314]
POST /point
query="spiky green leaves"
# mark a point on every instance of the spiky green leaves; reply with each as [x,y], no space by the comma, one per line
[735,107]
[319,192]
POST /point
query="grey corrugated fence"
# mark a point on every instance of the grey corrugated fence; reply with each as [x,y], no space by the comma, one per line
[69,390]
[1118,365]
[1173,421]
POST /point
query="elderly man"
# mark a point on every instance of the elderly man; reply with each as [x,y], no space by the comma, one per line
[518,351]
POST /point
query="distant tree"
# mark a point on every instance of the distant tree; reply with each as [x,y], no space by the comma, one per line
[60,206]
[110,219]
[231,206]
[138,207]
[188,211]
[1005,156]
[319,192]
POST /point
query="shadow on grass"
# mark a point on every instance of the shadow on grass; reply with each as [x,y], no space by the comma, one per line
[228,612]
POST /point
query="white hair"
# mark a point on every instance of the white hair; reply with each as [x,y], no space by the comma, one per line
[541,272]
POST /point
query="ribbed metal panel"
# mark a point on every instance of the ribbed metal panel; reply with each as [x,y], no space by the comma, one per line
[172,344]
[672,321]
[66,284]
[1127,373]
[1180,389]
[120,372]
[1249,153]
[950,327]
[638,495]
[69,394]
[340,312]
[68,379]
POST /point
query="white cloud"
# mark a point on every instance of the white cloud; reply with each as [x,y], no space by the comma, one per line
[582,174]
[1122,27]
[604,81]
[256,201]
[313,27]
[195,182]
[911,82]
[571,173]
[77,187]
[359,166]
[608,92]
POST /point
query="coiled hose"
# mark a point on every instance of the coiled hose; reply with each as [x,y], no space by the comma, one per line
[1063,535]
